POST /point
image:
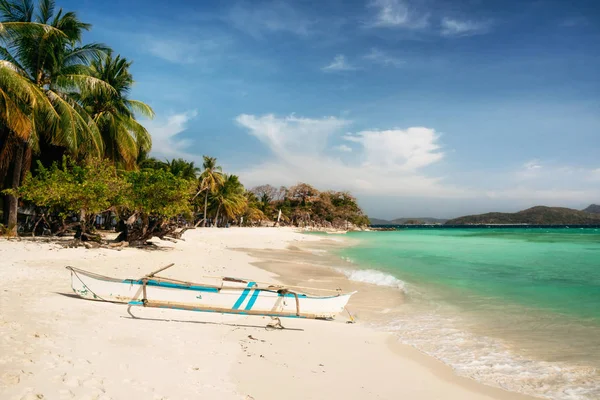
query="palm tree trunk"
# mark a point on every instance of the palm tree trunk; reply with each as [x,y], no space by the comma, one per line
[13,201]
[205,208]
[217,217]
[82,221]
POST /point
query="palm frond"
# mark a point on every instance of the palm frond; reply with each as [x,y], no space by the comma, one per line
[13,117]
[85,84]
[128,148]
[91,138]
[12,29]
[5,54]
[76,130]
[85,54]
[141,108]
[46,10]
[70,25]
[6,151]
[21,11]
[140,133]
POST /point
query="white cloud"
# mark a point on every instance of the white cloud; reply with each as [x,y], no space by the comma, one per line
[172,51]
[292,135]
[549,197]
[544,180]
[185,50]
[454,27]
[408,149]
[259,19]
[386,162]
[398,163]
[531,169]
[393,162]
[339,63]
[532,165]
[398,14]
[380,57]
[165,143]
[344,148]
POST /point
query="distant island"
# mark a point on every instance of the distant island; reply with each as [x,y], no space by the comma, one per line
[538,215]
[593,208]
[408,221]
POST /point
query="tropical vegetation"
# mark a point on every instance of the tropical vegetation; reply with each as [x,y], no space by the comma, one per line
[75,156]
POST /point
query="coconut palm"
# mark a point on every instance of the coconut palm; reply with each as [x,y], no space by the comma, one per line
[252,211]
[54,60]
[147,163]
[183,169]
[43,60]
[114,113]
[230,198]
[211,179]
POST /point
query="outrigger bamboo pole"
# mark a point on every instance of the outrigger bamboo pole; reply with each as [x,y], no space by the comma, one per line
[187,307]
[274,284]
[150,275]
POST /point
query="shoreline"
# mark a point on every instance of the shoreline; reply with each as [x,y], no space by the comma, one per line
[513,346]
[57,346]
[328,273]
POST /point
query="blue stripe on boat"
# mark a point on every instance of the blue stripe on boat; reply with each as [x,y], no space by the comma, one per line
[252,300]
[172,285]
[243,296]
[299,295]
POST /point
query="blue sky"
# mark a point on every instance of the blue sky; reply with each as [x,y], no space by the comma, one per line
[420,108]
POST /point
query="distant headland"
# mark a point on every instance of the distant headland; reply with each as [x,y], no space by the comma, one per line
[538,215]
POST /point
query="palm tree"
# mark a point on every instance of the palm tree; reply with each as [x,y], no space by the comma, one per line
[123,137]
[230,198]
[211,179]
[147,163]
[42,60]
[18,97]
[253,210]
[183,169]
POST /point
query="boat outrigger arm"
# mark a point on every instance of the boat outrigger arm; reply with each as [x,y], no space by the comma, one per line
[229,295]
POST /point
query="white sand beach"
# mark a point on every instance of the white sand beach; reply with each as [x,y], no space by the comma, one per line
[56,346]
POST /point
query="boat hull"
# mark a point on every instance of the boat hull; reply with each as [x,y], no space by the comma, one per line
[237,297]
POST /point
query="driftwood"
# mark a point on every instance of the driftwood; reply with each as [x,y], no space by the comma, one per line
[138,234]
[80,243]
[178,234]
[88,236]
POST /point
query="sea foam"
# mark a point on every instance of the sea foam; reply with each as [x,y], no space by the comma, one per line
[373,277]
[491,361]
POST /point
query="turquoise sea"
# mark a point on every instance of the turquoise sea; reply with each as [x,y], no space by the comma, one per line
[517,308]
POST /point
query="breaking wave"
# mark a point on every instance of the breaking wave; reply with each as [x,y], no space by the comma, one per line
[373,277]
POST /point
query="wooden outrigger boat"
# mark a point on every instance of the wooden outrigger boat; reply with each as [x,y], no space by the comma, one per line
[229,295]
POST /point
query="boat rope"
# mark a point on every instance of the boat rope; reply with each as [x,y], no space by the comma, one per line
[275,324]
[144,298]
[285,291]
[352,320]
[87,287]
